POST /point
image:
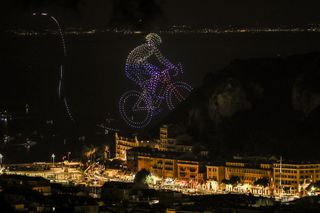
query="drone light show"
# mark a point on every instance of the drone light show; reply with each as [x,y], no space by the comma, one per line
[138,107]
[61,93]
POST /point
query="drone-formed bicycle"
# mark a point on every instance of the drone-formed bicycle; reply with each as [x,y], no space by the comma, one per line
[138,108]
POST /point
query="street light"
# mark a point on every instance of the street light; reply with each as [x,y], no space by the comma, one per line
[69,153]
[1,157]
[95,187]
[53,156]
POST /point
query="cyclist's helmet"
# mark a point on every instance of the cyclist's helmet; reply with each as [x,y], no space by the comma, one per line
[153,39]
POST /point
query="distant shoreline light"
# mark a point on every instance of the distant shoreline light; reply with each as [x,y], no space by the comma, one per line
[173,30]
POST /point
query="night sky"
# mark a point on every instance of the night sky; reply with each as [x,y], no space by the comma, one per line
[161,12]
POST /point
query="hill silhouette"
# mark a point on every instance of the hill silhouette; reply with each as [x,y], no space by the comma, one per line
[259,106]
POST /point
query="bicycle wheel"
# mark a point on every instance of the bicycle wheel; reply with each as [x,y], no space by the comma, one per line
[135,109]
[176,93]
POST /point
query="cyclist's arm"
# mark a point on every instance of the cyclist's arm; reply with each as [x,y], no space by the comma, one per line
[163,60]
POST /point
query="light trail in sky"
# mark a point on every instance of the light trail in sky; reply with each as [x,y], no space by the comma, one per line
[61,95]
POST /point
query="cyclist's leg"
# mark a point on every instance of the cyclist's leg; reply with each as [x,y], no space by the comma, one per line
[153,86]
[154,74]
[140,75]
[137,73]
[131,73]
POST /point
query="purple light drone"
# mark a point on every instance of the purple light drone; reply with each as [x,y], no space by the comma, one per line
[64,49]
[137,108]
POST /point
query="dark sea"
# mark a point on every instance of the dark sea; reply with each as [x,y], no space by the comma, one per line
[94,80]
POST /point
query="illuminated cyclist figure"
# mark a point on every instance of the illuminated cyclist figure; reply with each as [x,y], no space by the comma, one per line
[136,107]
[143,73]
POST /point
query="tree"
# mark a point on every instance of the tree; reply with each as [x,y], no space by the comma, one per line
[140,178]
[89,151]
[225,181]
[314,186]
[262,182]
[234,180]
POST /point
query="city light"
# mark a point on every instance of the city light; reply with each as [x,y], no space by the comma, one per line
[53,157]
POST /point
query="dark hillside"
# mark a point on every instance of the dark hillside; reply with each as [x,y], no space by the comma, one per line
[257,106]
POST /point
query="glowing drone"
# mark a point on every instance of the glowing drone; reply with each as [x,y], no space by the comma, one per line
[138,107]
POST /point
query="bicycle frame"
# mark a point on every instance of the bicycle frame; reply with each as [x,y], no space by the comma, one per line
[147,101]
[165,82]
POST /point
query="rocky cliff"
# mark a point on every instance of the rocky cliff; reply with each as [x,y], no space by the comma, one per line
[260,106]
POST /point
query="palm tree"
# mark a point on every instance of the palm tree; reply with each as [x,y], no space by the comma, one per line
[262,182]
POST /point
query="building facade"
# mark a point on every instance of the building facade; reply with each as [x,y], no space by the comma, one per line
[163,158]
[215,173]
[164,143]
[190,170]
[294,177]
[123,144]
[248,172]
[168,143]
[162,167]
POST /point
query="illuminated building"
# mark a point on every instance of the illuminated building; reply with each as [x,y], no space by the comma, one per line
[133,156]
[248,172]
[164,143]
[190,170]
[123,144]
[294,176]
[167,142]
[170,165]
[215,172]
[160,164]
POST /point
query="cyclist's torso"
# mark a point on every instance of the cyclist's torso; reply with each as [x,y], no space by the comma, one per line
[140,54]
